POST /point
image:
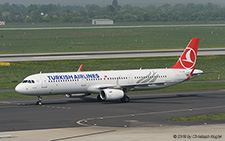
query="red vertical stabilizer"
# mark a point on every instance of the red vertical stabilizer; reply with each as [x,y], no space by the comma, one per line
[188,58]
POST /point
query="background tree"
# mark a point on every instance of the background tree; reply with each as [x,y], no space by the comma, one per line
[83,14]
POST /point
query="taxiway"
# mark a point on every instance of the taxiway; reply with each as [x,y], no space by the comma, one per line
[144,110]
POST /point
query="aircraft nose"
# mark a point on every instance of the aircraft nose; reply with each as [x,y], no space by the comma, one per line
[19,88]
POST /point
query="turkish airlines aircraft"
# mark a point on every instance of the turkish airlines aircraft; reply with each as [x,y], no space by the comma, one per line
[112,85]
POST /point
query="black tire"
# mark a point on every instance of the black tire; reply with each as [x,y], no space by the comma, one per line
[125,99]
[39,103]
[99,98]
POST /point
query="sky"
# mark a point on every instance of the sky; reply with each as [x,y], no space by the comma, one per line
[140,3]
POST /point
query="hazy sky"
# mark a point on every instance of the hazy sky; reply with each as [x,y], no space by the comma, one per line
[107,2]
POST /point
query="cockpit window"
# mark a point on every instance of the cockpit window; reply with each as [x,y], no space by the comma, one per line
[28,81]
[24,81]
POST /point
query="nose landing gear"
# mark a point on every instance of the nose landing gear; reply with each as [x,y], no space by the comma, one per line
[39,100]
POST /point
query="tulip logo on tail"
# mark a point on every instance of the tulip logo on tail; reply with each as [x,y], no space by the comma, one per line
[188,59]
[189,56]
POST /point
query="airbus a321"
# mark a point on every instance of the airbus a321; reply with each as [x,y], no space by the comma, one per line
[111,85]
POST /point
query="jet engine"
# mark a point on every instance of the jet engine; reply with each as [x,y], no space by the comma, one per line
[111,94]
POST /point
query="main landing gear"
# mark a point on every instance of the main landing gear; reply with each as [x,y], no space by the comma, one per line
[125,99]
[99,99]
[39,100]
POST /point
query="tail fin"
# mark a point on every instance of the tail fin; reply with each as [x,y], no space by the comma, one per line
[188,58]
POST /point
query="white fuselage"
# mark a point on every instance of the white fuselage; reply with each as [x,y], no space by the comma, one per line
[94,81]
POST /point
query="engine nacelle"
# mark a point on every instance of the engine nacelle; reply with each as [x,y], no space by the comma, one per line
[111,94]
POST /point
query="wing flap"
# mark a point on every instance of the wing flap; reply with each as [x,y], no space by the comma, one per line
[105,86]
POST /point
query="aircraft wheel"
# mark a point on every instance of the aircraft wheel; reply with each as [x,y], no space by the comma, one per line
[99,98]
[125,99]
[39,100]
[39,103]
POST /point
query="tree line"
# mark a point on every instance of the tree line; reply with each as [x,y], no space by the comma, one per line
[83,14]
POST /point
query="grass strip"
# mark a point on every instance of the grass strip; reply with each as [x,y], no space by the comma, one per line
[11,75]
[78,40]
[220,116]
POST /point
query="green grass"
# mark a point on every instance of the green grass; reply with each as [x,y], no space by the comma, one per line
[202,117]
[33,41]
[12,75]
[77,40]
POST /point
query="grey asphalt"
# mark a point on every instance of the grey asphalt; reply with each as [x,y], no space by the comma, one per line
[105,54]
[144,110]
[7,90]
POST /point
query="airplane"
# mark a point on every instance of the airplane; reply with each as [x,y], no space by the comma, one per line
[111,85]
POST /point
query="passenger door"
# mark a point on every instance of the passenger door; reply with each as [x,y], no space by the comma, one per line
[43,82]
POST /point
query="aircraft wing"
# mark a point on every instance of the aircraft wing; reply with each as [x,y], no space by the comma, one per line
[99,87]
[140,84]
